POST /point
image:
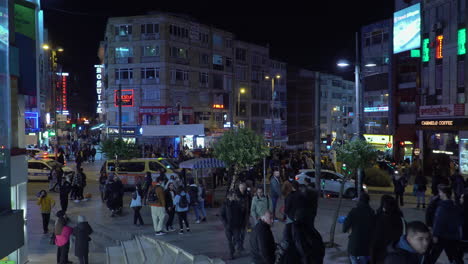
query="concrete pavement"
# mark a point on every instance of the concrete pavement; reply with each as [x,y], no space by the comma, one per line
[205,239]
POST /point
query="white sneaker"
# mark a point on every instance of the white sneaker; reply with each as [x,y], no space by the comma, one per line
[77,201]
[198,221]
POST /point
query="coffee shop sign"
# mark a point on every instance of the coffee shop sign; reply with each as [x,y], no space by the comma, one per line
[437,123]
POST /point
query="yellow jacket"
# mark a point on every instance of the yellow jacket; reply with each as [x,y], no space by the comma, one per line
[46,204]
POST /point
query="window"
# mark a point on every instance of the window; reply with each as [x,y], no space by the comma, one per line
[151,94]
[218,81]
[461,73]
[217,59]
[203,37]
[132,166]
[179,75]
[150,51]
[123,74]
[149,28]
[241,73]
[336,95]
[203,77]
[228,43]
[150,73]
[217,41]
[178,31]
[123,52]
[204,59]
[438,77]
[228,62]
[241,54]
[407,107]
[180,53]
[123,30]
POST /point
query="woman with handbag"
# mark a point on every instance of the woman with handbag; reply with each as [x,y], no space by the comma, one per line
[62,234]
[81,233]
[136,206]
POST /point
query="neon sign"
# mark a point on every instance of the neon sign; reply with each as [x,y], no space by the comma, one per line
[126,98]
[376,109]
[462,41]
[99,87]
[425,50]
[218,106]
[61,99]
[440,39]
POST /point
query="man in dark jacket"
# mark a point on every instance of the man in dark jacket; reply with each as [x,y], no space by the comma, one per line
[293,201]
[262,242]
[447,227]
[81,233]
[275,190]
[360,221]
[64,193]
[245,199]
[412,247]
[231,215]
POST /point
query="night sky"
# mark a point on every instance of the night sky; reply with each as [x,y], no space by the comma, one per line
[313,36]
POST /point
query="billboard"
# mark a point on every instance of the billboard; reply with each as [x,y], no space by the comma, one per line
[407,29]
[126,98]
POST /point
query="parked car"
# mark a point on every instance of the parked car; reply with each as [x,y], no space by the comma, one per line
[40,169]
[330,181]
[32,152]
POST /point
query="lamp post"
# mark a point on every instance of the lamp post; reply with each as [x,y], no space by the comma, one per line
[241,91]
[53,68]
[272,130]
[357,79]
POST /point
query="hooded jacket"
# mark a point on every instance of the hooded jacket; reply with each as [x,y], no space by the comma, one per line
[448,221]
[81,233]
[401,252]
[360,221]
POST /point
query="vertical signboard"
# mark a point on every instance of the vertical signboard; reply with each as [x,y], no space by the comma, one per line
[464,156]
[62,92]
[99,87]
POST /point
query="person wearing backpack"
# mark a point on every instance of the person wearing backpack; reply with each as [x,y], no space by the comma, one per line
[182,202]
[157,200]
[194,203]
[260,204]
[136,206]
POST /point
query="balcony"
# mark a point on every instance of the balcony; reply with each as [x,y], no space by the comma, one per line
[150,59]
[123,38]
[124,60]
[150,36]
[150,81]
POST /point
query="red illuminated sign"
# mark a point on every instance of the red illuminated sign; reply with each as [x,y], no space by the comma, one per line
[61,88]
[218,106]
[439,44]
[126,98]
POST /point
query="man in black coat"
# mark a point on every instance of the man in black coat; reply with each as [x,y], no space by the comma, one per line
[64,193]
[293,201]
[262,242]
[81,233]
[361,222]
[233,220]
[412,247]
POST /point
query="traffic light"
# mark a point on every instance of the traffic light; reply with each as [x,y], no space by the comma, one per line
[402,143]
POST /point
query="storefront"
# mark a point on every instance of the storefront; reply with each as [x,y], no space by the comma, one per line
[444,142]
[129,133]
[382,143]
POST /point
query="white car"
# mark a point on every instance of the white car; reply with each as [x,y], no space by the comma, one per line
[40,169]
[330,181]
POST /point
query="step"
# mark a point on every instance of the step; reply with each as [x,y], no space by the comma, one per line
[149,249]
[202,259]
[184,258]
[115,255]
[169,255]
[218,261]
[132,252]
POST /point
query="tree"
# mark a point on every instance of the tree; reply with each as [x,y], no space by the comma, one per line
[119,149]
[240,149]
[354,155]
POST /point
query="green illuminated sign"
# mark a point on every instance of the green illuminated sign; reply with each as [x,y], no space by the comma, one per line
[462,41]
[73,125]
[51,133]
[425,50]
[416,53]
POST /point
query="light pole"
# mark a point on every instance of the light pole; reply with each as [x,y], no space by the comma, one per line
[241,91]
[272,108]
[357,80]
[53,68]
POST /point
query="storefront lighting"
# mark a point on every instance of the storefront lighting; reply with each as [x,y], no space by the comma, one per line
[425,50]
[442,152]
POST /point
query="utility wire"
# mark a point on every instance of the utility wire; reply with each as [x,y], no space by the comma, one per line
[73,12]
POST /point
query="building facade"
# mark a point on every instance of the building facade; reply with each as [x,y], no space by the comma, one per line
[165,64]
[336,107]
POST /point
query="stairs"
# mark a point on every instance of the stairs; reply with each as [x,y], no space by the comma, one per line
[146,250]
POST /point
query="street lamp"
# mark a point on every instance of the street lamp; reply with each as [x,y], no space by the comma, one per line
[241,91]
[268,77]
[53,68]
[357,79]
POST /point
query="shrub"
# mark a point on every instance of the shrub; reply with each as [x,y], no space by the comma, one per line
[377,177]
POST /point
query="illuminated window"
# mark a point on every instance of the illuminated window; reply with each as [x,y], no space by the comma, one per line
[462,41]
[425,50]
[439,47]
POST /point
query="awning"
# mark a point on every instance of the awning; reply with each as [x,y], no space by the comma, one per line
[172,130]
[202,163]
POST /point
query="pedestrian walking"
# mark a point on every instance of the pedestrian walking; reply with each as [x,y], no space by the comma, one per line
[61,157]
[310,196]
[360,221]
[233,221]
[62,234]
[113,195]
[419,188]
[76,183]
[146,186]
[182,202]
[136,205]
[46,203]
[275,191]
[82,233]
[93,154]
[194,203]
[201,200]
[262,242]
[286,189]
[399,184]
[170,206]
[260,204]
[157,201]
[293,201]
[388,229]
[64,194]
[412,247]
[102,184]
[447,228]
[458,186]
[244,200]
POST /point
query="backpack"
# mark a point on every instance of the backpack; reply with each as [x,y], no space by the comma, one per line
[153,196]
[183,202]
[193,192]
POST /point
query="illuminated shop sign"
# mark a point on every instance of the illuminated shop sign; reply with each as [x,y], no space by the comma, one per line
[61,85]
[437,123]
[31,120]
[376,109]
[425,50]
[218,106]
[125,130]
[440,43]
[462,41]
[407,29]
[126,98]
[99,86]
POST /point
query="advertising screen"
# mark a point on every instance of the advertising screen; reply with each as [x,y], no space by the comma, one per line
[407,29]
